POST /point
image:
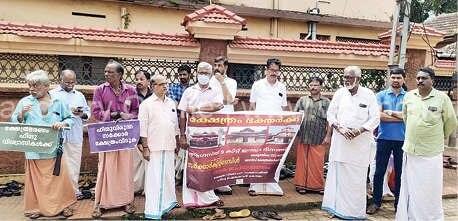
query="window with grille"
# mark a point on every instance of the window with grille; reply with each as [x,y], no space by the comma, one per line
[318,37]
[357,40]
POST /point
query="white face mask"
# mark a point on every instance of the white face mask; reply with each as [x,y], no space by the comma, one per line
[203,79]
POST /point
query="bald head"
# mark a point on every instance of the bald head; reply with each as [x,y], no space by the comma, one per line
[67,80]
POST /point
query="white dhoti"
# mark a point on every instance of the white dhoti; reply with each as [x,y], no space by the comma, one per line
[266,189]
[194,198]
[160,195]
[421,188]
[345,190]
[72,157]
[138,170]
[390,167]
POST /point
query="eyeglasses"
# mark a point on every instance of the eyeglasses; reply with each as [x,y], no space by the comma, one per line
[203,72]
[273,70]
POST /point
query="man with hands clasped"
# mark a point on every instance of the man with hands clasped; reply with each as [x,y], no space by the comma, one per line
[159,138]
[353,114]
[201,97]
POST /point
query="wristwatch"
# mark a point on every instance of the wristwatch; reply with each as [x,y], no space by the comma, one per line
[389,112]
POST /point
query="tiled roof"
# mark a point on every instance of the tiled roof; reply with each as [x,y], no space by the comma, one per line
[50,31]
[415,28]
[445,22]
[445,63]
[214,14]
[316,46]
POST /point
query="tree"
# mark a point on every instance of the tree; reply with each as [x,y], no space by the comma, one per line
[420,9]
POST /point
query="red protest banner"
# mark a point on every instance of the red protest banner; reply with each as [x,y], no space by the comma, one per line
[238,148]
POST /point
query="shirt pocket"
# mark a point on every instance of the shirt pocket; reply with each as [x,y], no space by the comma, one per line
[432,115]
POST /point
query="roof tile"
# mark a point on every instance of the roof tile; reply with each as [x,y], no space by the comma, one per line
[415,28]
[48,31]
[311,46]
[214,14]
[445,64]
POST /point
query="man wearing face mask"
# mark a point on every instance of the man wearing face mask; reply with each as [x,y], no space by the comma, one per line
[268,95]
[353,114]
[429,118]
[201,97]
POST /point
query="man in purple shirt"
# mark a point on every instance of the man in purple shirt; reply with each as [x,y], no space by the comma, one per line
[114,100]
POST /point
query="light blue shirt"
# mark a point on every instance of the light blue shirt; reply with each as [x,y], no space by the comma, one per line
[388,100]
[73,99]
[57,112]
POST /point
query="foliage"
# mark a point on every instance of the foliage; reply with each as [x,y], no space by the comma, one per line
[420,9]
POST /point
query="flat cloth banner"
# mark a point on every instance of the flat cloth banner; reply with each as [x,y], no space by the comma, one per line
[238,148]
[113,135]
[28,138]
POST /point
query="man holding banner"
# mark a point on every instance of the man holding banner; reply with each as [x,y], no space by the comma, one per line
[45,194]
[199,97]
[268,95]
[353,114]
[114,100]
[159,137]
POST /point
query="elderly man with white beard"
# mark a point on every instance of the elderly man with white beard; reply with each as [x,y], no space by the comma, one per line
[353,114]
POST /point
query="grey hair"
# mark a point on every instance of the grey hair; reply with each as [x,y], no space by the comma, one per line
[158,78]
[353,70]
[204,65]
[38,77]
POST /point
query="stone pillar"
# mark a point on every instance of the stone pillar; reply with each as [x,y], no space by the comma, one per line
[415,61]
[212,48]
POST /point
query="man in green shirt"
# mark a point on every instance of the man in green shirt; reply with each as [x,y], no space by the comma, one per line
[429,118]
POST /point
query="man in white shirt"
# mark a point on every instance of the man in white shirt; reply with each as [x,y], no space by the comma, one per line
[205,98]
[268,95]
[353,114]
[159,137]
[228,87]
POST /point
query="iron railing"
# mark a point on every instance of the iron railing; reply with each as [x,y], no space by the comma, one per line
[14,67]
[296,77]
[89,70]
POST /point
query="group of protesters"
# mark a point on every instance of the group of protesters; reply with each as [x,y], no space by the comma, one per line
[411,127]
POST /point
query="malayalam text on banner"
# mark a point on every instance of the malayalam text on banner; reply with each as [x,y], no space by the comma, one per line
[238,148]
[113,135]
[28,138]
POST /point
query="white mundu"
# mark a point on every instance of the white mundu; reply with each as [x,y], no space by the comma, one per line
[345,187]
[268,98]
[195,96]
[159,124]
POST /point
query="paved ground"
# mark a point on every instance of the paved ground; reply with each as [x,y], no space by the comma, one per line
[291,205]
[450,206]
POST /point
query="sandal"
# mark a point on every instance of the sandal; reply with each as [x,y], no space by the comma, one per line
[34,215]
[258,214]
[301,191]
[240,214]
[273,215]
[252,193]
[67,212]
[97,213]
[129,208]
[219,214]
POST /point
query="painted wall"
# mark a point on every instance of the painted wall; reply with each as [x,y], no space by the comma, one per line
[363,9]
[143,18]
[158,20]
